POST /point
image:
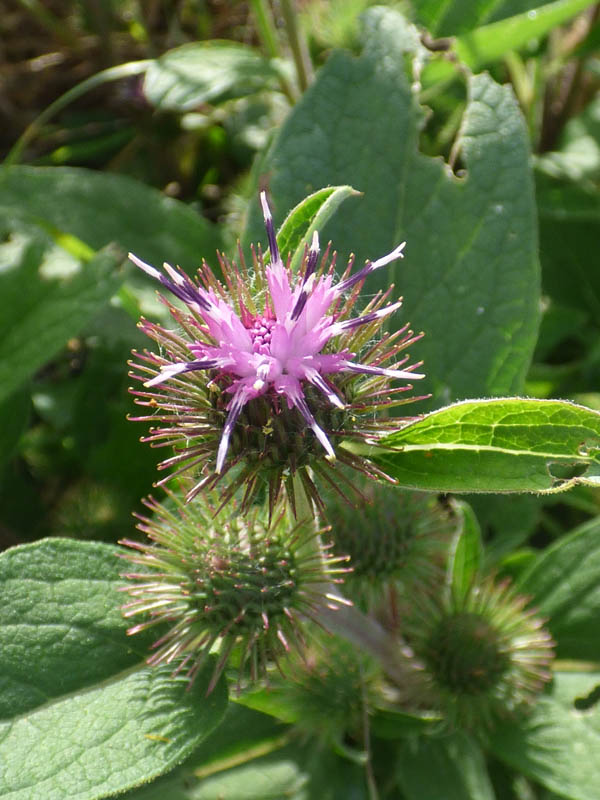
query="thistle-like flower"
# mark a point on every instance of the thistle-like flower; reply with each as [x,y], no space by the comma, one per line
[397,543]
[269,372]
[227,583]
[484,657]
[330,689]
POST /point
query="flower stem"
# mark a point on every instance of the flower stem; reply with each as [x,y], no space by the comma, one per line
[265,27]
[268,36]
[297,44]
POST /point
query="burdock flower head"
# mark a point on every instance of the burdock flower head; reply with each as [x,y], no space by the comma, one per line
[329,689]
[397,543]
[269,371]
[477,659]
[225,583]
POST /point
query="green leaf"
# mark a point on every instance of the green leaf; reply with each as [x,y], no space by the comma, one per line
[99,208]
[244,751]
[249,757]
[470,274]
[203,72]
[557,745]
[308,216]
[564,582]
[243,736]
[452,767]
[466,553]
[61,626]
[577,689]
[451,17]
[482,45]
[507,445]
[270,778]
[396,724]
[294,773]
[46,297]
[82,717]
[271,700]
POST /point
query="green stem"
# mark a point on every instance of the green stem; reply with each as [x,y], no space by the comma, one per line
[110,74]
[248,754]
[369,774]
[520,80]
[297,44]
[268,36]
[266,27]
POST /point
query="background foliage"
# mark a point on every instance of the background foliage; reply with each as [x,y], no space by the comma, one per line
[472,131]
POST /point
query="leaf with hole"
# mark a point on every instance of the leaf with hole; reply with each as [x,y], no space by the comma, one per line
[506,445]
[470,275]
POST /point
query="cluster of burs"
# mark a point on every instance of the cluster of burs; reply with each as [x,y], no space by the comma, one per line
[282,554]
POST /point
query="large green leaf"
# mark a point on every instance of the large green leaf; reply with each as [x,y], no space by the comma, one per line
[506,445]
[242,737]
[99,208]
[202,72]
[61,626]
[557,744]
[452,767]
[564,583]
[470,275]
[46,297]
[82,716]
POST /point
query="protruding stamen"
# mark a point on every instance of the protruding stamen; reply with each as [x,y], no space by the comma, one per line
[388,373]
[313,257]
[303,408]
[354,322]
[176,276]
[316,379]
[273,249]
[305,292]
[369,267]
[176,369]
[238,402]
[261,377]
[152,271]
[181,286]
